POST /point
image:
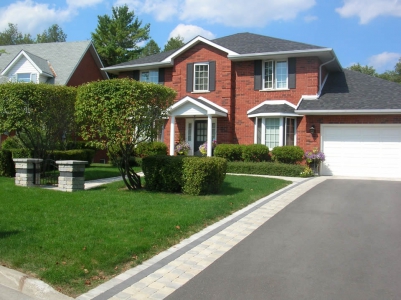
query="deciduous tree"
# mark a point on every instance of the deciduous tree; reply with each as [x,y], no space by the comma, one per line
[53,34]
[11,36]
[369,70]
[119,114]
[174,43]
[116,37]
[150,48]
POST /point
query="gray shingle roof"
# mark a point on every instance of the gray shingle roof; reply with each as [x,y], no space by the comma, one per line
[64,57]
[273,108]
[247,43]
[40,62]
[351,90]
[241,43]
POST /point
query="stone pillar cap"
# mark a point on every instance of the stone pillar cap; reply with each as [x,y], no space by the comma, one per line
[28,160]
[71,162]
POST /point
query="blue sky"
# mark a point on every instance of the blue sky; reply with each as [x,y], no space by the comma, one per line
[364,31]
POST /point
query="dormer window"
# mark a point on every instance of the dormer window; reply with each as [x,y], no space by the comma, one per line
[24,77]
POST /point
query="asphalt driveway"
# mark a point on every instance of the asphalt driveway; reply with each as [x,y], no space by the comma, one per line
[340,240]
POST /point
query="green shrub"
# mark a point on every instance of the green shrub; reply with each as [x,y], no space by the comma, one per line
[7,167]
[231,152]
[255,153]
[265,168]
[151,148]
[22,153]
[163,173]
[203,175]
[80,154]
[12,142]
[288,154]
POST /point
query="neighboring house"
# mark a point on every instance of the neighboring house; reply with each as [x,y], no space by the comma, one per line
[65,63]
[247,88]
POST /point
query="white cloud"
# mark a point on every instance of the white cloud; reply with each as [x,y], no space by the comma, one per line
[82,3]
[384,61]
[235,13]
[32,17]
[310,18]
[188,32]
[369,10]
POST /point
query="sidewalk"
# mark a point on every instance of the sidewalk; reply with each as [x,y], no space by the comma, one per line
[163,274]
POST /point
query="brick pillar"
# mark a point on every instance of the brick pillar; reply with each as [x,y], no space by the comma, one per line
[27,171]
[71,175]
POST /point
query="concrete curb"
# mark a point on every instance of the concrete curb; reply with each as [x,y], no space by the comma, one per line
[26,285]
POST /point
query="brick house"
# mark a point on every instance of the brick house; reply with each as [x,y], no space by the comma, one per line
[247,88]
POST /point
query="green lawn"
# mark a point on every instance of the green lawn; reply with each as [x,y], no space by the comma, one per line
[97,171]
[75,241]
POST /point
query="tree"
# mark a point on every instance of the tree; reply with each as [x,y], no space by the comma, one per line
[150,48]
[11,36]
[174,43]
[116,38]
[53,34]
[394,75]
[369,70]
[40,114]
[118,115]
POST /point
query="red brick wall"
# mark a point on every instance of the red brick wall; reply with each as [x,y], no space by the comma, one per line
[308,142]
[86,71]
[128,74]
[223,95]
[246,98]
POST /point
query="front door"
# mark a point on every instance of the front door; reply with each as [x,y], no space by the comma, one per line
[200,135]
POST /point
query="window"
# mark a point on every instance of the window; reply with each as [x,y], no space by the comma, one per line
[274,132]
[275,74]
[201,77]
[150,76]
[24,77]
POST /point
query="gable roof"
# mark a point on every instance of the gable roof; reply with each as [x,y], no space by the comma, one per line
[240,46]
[64,57]
[351,92]
[41,65]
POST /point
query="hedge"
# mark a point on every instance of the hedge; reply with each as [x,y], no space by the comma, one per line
[231,152]
[288,154]
[190,175]
[255,153]
[79,154]
[265,168]
[7,167]
[150,148]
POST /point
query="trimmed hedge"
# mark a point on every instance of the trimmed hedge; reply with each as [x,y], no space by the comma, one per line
[163,173]
[203,175]
[265,168]
[22,153]
[255,153]
[231,152]
[288,154]
[190,175]
[80,154]
[151,148]
[7,167]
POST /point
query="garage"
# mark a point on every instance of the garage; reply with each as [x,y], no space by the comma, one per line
[361,150]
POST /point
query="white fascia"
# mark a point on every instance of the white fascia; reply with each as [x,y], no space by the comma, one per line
[146,66]
[271,102]
[213,104]
[351,112]
[195,41]
[294,53]
[277,114]
[15,60]
[187,99]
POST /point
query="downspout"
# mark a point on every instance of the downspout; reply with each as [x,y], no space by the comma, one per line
[320,73]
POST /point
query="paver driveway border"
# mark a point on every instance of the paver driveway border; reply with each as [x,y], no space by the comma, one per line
[164,273]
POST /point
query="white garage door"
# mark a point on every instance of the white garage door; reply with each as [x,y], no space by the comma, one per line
[362,150]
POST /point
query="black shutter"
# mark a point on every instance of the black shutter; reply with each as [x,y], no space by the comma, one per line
[161,76]
[292,73]
[212,76]
[135,75]
[190,77]
[257,75]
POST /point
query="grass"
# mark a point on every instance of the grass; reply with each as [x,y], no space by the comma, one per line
[75,241]
[98,171]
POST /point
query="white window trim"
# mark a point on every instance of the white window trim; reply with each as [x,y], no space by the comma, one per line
[275,61]
[282,136]
[192,133]
[194,90]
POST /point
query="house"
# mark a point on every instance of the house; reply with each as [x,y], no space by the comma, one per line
[247,88]
[64,63]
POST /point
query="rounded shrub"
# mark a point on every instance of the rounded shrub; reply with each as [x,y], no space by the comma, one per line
[151,148]
[231,152]
[255,153]
[288,154]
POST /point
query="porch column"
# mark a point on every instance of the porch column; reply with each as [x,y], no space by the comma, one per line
[172,132]
[209,135]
